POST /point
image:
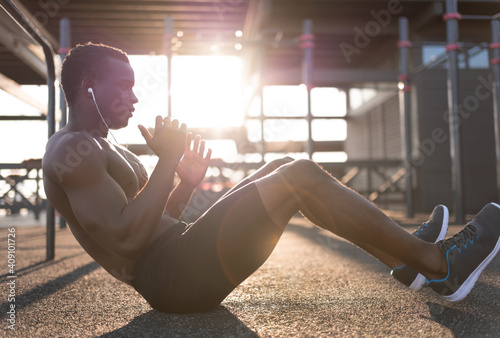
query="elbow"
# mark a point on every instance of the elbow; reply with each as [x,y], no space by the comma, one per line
[129,252]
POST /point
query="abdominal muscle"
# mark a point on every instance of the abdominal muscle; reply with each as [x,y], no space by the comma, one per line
[119,267]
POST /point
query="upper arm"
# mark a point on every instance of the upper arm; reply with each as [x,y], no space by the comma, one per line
[96,199]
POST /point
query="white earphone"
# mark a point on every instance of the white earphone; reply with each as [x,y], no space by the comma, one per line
[126,154]
[91,91]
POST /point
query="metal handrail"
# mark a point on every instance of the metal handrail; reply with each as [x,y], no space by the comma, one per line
[25,22]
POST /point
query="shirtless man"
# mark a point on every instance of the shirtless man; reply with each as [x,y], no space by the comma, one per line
[129,223]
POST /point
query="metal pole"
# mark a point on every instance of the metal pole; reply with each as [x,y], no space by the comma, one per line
[404,45]
[307,44]
[64,47]
[50,212]
[51,78]
[451,17]
[168,35]
[495,65]
[260,67]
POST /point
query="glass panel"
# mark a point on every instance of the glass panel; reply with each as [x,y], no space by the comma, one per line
[329,130]
[285,130]
[285,101]
[328,102]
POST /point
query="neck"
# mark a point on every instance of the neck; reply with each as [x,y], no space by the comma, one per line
[79,121]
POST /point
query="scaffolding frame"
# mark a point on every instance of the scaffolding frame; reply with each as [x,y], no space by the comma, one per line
[453,47]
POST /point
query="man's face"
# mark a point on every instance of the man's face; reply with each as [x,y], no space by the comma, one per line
[114,95]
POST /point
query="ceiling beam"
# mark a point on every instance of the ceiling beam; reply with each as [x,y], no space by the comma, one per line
[137,7]
[13,88]
[433,11]
[37,25]
[18,45]
[335,77]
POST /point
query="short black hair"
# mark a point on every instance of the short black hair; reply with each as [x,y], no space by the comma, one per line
[86,61]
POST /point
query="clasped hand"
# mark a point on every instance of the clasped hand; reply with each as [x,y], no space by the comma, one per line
[168,141]
[172,141]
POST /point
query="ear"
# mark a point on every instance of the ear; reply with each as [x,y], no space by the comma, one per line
[86,84]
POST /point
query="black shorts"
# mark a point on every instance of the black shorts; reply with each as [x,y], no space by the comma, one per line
[192,268]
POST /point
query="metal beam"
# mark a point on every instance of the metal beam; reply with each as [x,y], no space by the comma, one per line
[252,58]
[165,8]
[23,118]
[454,120]
[335,77]
[34,22]
[433,11]
[404,110]
[31,29]
[495,65]
[15,89]
[15,42]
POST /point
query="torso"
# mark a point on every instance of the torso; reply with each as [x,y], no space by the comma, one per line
[126,169]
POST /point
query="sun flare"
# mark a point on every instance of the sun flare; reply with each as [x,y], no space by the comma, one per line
[206,91]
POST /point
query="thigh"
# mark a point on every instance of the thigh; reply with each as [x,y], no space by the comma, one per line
[229,242]
[197,266]
[265,170]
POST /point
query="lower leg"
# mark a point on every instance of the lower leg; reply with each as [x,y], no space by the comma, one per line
[332,206]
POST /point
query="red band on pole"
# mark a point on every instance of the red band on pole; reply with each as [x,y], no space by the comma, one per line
[63,50]
[495,61]
[452,46]
[403,77]
[404,43]
[307,37]
[307,44]
[451,16]
[494,45]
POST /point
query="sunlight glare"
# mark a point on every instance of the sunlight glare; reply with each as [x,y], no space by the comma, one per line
[207,91]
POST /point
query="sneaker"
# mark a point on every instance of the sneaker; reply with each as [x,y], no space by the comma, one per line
[468,253]
[432,231]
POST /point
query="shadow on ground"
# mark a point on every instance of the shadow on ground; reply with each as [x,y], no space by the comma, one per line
[329,242]
[49,288]
[217,323]
[466,319]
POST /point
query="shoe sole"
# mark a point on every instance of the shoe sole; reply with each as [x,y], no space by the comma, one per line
[469,283]
[419,281]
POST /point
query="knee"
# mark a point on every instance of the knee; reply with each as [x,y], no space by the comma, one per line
[275,164]
[304,171]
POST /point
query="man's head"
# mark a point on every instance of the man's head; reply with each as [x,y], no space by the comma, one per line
[86,61]
[105,69]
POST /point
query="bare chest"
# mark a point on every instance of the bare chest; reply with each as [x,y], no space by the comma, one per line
[127,171]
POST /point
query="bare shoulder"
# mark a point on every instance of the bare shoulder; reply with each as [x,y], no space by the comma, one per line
[72,153]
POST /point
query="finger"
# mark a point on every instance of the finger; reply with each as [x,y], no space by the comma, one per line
[158,123]
[196,143]
[202,147]
[189,138]
[175,124]
[167,121]
[183,128]
[209,154]
[145,133]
